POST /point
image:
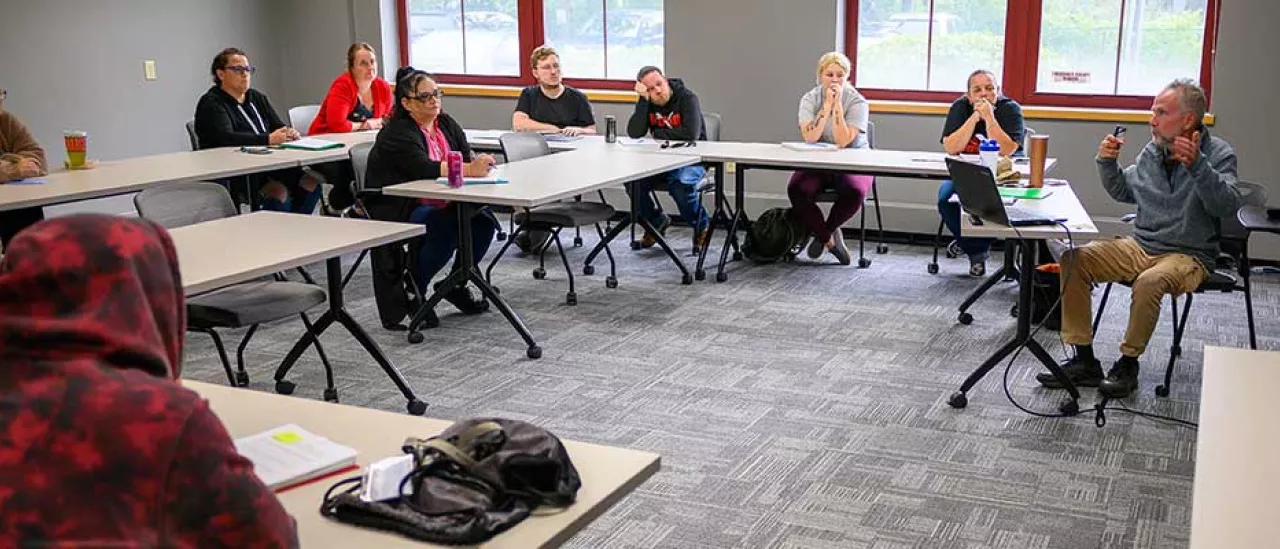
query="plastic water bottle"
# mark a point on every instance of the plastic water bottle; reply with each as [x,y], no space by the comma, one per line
[455,169]
[989,153]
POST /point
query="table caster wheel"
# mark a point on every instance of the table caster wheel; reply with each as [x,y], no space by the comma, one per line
[958,400]
[635,245]
[611,282]
[700,275]
[415,337]
[687,279]
[588,270]
[534,352]
[863,262]
[1162,391]
[330,395]
[242,379]
[539,273]
[882,249]
[285,387]
[965,318]
[737,256]
[501,237]
[417,407]
[1069,408]
[721,277]
[933,268]
[577,242]
[571,298]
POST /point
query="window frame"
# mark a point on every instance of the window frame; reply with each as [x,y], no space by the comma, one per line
[1022,58]
[532,34]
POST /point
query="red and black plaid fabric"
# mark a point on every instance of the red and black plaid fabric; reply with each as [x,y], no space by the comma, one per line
[99,446]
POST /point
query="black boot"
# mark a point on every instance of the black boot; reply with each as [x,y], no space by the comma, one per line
[461,298]
[1121,380]
[1083,372]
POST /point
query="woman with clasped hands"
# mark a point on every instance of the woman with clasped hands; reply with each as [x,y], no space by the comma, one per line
[415,145]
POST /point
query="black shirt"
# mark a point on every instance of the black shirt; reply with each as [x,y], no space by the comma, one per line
[570,109]
[221,121]
[1008,115]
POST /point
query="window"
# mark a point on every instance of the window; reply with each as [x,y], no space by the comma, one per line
[602,43]
[1077,53]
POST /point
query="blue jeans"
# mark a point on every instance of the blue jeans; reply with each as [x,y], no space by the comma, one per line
[681,184]
[300,201]
[975,248]
[441,240]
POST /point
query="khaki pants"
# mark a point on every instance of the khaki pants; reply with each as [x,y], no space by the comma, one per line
[1123,260]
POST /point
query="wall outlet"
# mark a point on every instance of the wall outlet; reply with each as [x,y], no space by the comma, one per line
[730,167]
[149,69]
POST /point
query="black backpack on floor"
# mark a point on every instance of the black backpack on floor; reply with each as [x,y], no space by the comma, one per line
[775,236]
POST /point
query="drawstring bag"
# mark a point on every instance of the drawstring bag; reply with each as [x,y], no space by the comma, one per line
[475,480]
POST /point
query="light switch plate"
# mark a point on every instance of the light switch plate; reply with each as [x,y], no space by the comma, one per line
[149,69]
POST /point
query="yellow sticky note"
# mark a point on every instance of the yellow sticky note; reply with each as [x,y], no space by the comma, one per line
[287,437]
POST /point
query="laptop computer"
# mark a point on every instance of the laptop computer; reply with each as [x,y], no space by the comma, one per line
[980,197]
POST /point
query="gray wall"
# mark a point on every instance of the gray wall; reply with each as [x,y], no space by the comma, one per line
[76,64]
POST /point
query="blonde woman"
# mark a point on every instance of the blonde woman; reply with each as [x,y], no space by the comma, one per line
[832,112]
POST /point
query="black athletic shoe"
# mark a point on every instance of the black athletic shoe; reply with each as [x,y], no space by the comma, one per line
[1083,373]
[1121,381]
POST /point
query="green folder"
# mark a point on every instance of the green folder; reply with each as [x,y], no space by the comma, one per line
[1025,193]
[311,144]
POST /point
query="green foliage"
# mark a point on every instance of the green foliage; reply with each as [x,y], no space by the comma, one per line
[899,61]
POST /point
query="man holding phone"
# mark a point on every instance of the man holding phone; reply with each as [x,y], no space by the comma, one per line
[1183,181]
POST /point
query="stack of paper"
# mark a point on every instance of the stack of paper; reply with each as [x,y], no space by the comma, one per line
[311,144]
[290,455]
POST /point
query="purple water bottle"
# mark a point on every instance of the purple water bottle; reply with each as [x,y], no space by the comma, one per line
[455,169]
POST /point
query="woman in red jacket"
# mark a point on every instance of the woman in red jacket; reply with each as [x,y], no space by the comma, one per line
[358,100]
[102,447]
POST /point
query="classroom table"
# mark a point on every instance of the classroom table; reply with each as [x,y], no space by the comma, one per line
[272,242]
[608,473]
[1079,227]
[532,183]
[487,141]
[1237,445]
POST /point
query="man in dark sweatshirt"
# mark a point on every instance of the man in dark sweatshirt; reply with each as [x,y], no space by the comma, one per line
[1183,181]
[668,111]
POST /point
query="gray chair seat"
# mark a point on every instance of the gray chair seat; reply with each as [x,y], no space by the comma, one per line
[252,303]
[566,214]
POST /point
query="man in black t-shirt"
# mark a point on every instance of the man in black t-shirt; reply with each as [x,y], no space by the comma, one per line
[550,106]
[981,111]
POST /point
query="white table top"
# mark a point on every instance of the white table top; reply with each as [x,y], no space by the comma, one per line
[607,473]
[545,179]
[135,174]
[872,161]
[1237,447]
[1061,202]
[235,249]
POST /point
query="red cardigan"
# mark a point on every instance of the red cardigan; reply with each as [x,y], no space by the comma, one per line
[341,100]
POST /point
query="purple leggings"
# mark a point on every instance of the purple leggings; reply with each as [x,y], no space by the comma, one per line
[804,189]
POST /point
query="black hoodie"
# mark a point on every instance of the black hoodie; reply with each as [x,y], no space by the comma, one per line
[679,120]
[222,122]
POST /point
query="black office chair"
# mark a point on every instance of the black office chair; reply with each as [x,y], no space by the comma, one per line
[829,195]
[248,304]
[1233,241]
[553,217]
[359,155]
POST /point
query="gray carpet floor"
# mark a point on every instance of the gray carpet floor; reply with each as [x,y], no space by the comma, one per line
[801,405]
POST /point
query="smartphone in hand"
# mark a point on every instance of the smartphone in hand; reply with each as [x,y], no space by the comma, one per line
[1119,131]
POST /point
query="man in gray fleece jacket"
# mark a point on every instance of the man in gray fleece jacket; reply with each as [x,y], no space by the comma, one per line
[1183,182]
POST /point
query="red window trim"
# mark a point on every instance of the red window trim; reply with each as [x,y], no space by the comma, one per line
[1021,62]
[531,34]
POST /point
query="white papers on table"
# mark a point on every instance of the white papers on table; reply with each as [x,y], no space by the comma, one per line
[289,454]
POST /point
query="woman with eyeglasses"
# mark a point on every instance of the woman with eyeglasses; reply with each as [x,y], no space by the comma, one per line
[414,145]
[20,158]
[233,114]
[358,100]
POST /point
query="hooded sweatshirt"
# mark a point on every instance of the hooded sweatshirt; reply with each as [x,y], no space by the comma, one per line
[99,446]
[221,121]
[679,120]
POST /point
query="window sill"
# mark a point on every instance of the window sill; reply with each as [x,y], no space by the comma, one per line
[878,106]
[513,92]
[1029,112]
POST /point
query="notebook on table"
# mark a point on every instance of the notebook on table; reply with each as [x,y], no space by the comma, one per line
[311,144]
[979,196]
[289,455]
[560,138]
[801,146]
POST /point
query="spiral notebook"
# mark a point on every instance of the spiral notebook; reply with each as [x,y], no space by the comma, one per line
[289,455]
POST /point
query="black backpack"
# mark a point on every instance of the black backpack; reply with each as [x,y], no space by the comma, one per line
[775,236]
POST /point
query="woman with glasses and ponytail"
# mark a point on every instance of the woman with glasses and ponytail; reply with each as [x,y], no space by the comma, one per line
[233,114]
[414,145]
